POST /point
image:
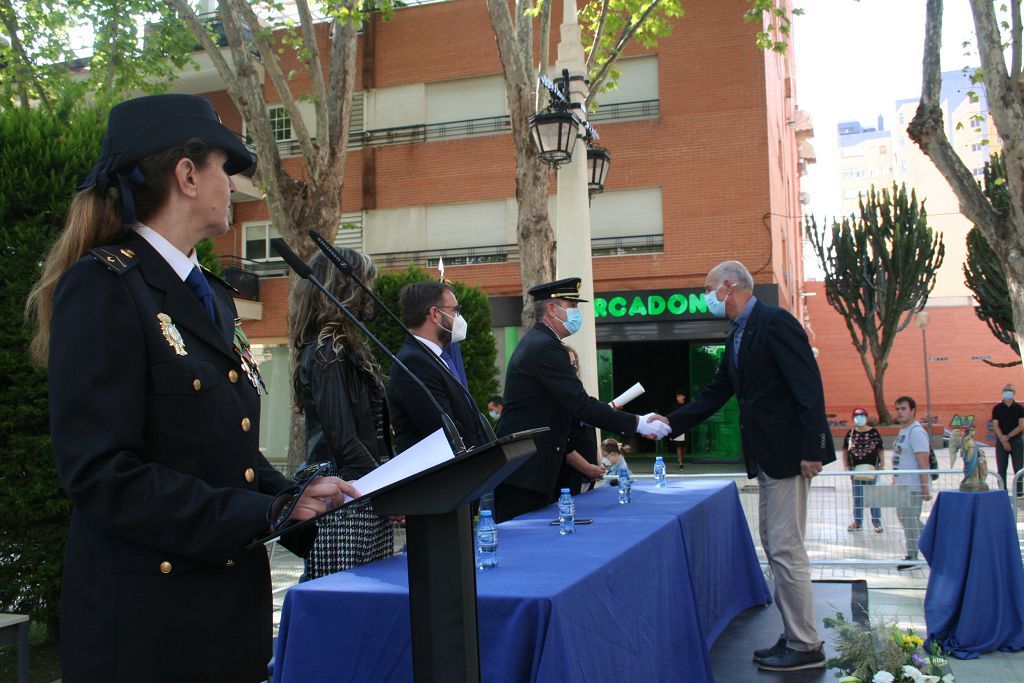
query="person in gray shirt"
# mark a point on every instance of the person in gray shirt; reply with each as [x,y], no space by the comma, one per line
[910,452]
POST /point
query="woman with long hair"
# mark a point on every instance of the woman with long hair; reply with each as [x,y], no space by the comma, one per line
[338,388]
[154,413]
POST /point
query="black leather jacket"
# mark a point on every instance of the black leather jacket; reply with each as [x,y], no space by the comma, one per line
[338,396]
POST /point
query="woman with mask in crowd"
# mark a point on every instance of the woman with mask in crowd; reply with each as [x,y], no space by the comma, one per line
[338,387]
[862,454]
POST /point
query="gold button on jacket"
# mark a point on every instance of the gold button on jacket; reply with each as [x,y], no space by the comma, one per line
[165,567]
[229,563]
[250,475]
[232,376]
[196,384]
[246,424]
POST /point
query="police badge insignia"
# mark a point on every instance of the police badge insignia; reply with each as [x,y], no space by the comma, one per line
[171,334]
[248,363]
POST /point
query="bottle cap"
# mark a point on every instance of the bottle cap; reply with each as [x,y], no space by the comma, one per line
[565,490]
[658,458]
[485,513]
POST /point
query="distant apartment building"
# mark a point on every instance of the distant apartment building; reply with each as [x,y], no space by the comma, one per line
[707,147]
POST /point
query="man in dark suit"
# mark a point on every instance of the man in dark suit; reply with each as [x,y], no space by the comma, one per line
[543,390]
[431,312]
[769,366]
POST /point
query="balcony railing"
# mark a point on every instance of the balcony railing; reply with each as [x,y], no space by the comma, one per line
[244,274]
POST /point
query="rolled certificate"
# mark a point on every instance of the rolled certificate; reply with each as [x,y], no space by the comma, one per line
[627,396]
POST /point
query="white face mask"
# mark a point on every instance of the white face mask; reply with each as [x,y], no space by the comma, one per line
[459,327]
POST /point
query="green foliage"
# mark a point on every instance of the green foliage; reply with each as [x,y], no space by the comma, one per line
[776,21]
[120,60]
[864,650]
[983,272]
[207,256]
[479,349]
[879,270]
[44,156]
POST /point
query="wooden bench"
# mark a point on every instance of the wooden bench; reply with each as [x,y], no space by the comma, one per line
[14,631]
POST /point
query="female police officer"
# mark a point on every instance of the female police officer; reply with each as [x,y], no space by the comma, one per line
[154,411]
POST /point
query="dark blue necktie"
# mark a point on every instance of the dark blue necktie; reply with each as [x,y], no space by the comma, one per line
[199,285]
[447,357]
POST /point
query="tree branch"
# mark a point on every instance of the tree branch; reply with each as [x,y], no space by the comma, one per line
[268,57]
[595,47]
[1015,38]
[341,80]
[316,75]
[927,129]
[10,21]
[627,33]
[545,46]
[504,33]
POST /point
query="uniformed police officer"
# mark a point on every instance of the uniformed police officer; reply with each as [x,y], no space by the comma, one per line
[543,390]
[154,412]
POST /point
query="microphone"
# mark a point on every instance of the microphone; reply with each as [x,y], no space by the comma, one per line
[302,270]
[345,267]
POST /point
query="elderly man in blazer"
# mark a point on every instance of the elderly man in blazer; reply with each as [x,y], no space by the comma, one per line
[431,312]
[768,365]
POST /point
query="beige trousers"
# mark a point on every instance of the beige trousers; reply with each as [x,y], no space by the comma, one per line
[782,511]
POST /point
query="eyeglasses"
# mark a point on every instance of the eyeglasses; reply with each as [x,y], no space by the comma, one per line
[456,307]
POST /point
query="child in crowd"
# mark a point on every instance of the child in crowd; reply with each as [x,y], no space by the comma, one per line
[613,456]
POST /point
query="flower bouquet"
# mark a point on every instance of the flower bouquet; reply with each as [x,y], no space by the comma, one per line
[884,653]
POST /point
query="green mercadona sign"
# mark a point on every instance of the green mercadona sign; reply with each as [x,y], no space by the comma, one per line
[683,304]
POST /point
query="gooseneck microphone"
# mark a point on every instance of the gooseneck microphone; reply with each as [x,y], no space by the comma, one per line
[345,267]
[302,270]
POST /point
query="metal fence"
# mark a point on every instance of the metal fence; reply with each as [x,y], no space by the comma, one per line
[830,512]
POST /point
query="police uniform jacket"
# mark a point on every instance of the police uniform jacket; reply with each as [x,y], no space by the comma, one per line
[155,437]
[543,390]
[778,385]
[413,415]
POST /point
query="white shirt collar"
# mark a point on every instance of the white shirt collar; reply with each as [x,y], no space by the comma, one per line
[430,345]
[181,263]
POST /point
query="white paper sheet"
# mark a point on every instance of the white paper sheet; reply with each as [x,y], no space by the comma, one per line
[431,451]
[627,396]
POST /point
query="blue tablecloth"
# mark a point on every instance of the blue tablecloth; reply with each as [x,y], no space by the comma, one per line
[975,599]
[641,594]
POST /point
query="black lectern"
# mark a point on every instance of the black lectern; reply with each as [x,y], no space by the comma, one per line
[442,566]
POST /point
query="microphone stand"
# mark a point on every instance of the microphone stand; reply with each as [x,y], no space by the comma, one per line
[345,267]
[302,270]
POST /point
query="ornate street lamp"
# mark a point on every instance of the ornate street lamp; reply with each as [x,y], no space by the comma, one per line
[598,160]
[555,132]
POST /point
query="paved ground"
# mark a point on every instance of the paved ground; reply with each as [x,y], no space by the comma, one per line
[893,595]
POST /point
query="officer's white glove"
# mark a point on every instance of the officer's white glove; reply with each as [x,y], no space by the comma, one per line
[655,428]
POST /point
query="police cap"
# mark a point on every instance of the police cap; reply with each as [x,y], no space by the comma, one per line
[566,288]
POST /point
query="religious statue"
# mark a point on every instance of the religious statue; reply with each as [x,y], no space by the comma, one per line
[975,467]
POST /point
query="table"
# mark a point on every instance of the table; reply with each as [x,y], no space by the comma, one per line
[640,594]
[975,598]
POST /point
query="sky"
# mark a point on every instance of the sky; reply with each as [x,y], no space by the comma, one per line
[853,61]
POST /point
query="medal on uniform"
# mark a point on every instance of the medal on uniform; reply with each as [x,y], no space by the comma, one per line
[249,365]
[171,334]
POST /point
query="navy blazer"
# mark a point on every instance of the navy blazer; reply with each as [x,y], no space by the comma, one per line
[413,416]
[155,432]
[778,385]
[543,390]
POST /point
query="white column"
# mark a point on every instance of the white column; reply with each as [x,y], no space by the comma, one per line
[573,202]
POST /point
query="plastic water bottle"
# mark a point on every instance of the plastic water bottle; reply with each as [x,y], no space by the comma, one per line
[625,487]
[566,513]
[486,541]
[659,473]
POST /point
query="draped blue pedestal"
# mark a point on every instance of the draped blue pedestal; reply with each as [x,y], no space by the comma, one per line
[975,598]
[640,594]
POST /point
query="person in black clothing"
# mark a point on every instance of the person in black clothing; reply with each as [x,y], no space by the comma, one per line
[338,387]
[1008,423]
[580,469]
[431,312]
[542,389]
[862,453]
[154,401]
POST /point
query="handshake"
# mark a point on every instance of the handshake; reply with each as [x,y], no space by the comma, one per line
[653,426]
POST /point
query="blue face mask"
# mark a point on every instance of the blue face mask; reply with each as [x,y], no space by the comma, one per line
[1008,395]
[715,307]
[573,320]
[860,420]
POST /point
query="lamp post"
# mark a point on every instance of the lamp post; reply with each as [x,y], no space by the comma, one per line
[921,321]
[581,174]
